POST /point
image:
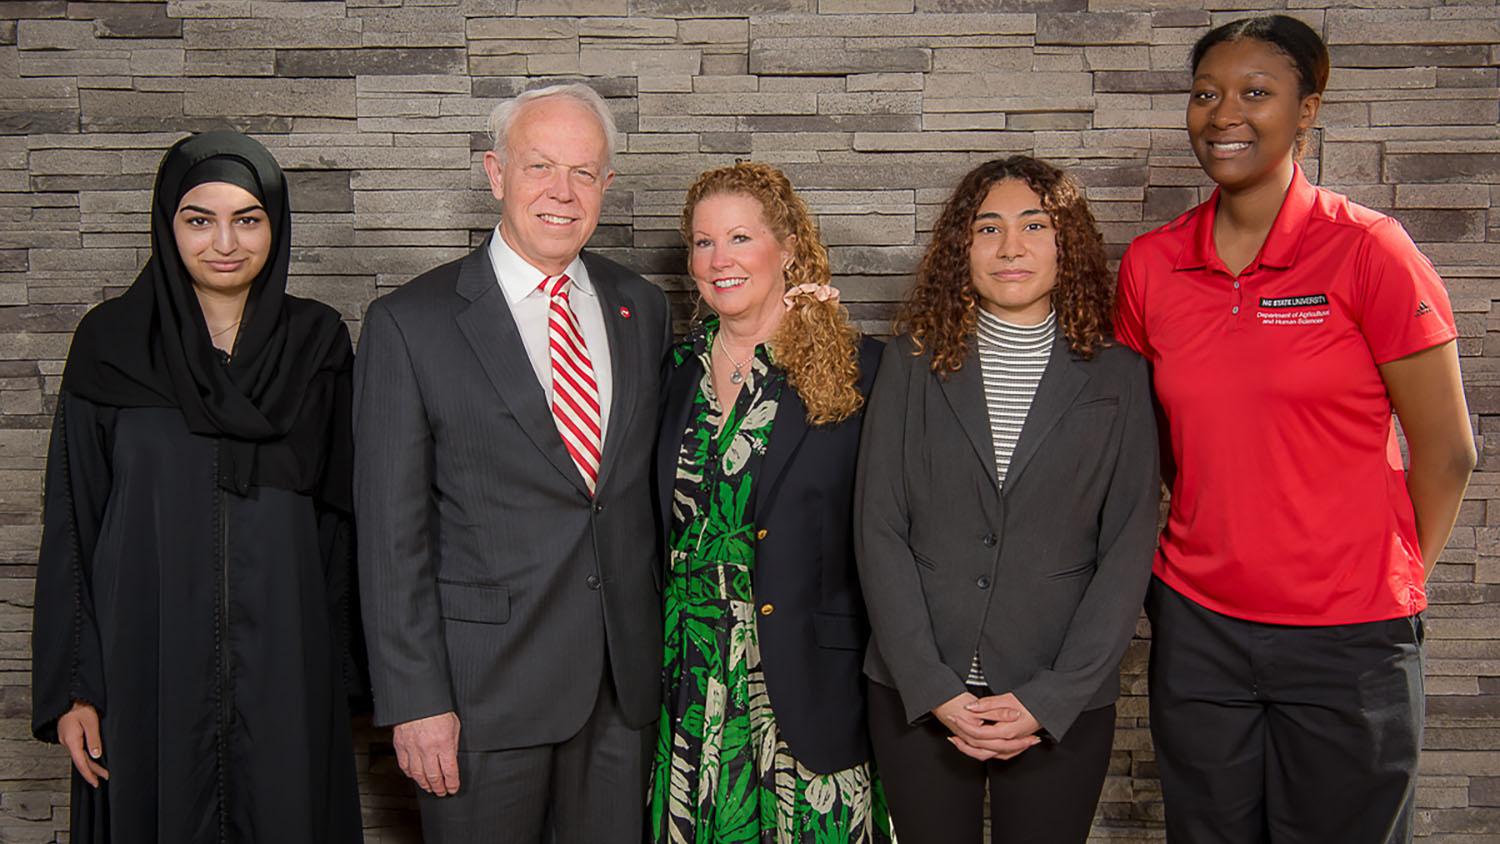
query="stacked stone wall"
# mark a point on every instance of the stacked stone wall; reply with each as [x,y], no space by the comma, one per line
[873,107]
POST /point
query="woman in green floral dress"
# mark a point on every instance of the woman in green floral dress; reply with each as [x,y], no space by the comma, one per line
[763,730]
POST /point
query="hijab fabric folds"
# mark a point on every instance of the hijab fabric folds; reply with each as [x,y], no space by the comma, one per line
[270,404]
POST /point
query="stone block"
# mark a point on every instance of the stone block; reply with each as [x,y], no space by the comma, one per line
[1435,112]
[725,64]
[830,123]
[1351,163]
[644,61]
[17,9]
[540,8]
[276,33]
[35,34]
[951,6]
[726,142]
[713,31]
[1427,225]
[39,121]
[209,8]
[840,7]
[276,97]
[370,60]
[1141,81]
[719,8]
[980,59]
[77,63]
[637,30]
[676,84]
[925,27]
[213,62]
[801,60]
[411,26]
[1476,32]
[319,190]
[1093,28]
[871,103]
[729,104]
[1403,55]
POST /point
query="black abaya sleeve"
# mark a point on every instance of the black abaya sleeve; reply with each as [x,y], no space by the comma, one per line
[66,663]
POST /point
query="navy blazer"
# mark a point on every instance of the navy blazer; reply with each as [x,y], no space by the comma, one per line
[809,612]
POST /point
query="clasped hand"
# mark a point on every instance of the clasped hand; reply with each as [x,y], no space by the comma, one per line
[994,727]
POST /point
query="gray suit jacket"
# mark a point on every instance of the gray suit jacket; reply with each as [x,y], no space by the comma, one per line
[492,584]
[1046,578]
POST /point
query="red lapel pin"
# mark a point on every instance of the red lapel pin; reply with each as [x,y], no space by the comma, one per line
[625,312]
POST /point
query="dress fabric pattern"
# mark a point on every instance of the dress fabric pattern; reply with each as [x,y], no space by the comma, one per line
[722,772]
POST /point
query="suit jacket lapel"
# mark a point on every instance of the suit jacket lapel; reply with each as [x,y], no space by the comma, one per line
[964,390]
[1061,381]
[625,346]
[491,330]
[787,432]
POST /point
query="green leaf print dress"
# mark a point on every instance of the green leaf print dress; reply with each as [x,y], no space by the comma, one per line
[722,773]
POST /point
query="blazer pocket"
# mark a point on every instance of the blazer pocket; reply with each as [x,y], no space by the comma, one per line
[1101,401]
[923,560]
[478,602]
[834,630]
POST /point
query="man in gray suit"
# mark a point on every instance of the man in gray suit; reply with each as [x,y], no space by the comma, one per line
[506,405]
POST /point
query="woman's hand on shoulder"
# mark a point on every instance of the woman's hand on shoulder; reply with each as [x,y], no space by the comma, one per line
[78,730]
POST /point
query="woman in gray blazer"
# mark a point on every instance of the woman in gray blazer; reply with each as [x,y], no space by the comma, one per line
[1005,518]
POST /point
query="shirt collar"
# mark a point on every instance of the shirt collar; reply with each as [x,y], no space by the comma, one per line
[519,279]
[1282,243]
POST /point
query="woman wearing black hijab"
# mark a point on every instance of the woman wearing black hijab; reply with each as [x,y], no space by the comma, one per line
[191,638]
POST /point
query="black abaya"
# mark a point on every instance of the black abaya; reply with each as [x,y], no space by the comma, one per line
[193,582]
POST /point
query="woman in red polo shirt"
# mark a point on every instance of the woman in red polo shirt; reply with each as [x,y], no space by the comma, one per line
[1283,324]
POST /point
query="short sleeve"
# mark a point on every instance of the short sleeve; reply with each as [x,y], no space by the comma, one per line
[1403,305]
[1130,317]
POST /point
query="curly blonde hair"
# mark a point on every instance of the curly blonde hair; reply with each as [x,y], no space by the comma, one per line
[815,343]
[942,311]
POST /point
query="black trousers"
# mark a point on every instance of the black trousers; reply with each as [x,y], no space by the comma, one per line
[1277,733]
[1046,795]
[589,789]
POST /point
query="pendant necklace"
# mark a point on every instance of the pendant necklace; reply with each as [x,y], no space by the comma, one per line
[737,377]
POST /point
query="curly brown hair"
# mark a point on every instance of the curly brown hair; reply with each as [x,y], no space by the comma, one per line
[942,311]
[815,343]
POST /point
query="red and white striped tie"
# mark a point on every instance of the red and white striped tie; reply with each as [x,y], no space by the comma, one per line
[575,394]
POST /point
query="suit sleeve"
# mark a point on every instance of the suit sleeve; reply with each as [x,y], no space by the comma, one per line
[899,619]
[393,476]
[1105,619]
[67,659]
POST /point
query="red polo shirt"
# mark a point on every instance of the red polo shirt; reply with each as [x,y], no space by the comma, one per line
[1290,504]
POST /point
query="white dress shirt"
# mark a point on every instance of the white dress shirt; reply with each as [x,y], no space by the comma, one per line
[531,309]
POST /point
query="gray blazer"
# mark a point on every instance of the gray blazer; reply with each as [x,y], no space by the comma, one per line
[1045,578]
[492,585]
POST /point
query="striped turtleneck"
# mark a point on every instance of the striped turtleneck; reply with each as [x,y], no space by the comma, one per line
[1012,359]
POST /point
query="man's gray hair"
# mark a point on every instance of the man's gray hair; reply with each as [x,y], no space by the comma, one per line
[505,114]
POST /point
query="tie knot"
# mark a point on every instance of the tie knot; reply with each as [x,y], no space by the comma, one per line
[557,286]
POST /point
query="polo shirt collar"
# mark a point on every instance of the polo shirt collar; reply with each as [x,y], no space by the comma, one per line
[1282,243]
[519,279]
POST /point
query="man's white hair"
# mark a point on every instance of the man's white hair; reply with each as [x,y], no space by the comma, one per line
[505,113]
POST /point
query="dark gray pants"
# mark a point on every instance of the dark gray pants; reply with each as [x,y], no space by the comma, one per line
[1046,795]
[590,789]
[1278,733]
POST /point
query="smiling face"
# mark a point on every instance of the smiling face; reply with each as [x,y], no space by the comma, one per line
[737,261]
[1244,114]
[551,183]
[223,236]
[1013,257]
